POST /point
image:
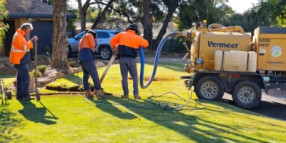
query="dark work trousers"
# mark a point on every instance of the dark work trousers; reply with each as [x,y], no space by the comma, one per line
[128,65]
[89,68]
[23,81]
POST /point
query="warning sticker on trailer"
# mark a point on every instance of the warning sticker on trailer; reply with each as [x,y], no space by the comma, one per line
[262,51]
[276,51]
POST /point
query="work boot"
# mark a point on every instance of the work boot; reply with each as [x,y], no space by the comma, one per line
[88,94]
[100,94]
[137,97]
[105,93]
[124,96]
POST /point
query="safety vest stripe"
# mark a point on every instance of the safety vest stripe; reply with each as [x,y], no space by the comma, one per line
[18,50]
[25,47]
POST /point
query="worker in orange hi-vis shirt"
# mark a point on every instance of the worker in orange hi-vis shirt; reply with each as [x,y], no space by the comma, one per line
[127,44]
[86,60]
[20,56]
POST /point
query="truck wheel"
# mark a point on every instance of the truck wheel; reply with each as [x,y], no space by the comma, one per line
[246,94]
[105,53]
[209,88]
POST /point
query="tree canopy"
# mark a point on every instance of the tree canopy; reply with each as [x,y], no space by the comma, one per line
[183,13]
[3,26]
[265,13]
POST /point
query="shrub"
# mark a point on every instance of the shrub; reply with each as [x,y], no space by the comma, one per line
[72,64]
[40,72]
[175,45]
[42,69]
[32,74]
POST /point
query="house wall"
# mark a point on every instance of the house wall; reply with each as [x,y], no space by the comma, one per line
[8,37]
[44,30]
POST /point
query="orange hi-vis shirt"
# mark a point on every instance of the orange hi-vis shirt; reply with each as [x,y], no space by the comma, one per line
[128,39]
[127,43]
[87,41]
[19,47]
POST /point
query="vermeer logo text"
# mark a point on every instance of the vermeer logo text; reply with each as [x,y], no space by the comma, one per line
[222,45]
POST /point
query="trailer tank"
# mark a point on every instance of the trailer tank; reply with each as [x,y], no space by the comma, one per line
[206,43]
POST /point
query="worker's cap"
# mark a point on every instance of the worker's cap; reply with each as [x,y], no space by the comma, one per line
[133,27]
[92,32]
[26,25]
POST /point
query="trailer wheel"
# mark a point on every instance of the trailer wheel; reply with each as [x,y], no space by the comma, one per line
[209,88]
[246,94]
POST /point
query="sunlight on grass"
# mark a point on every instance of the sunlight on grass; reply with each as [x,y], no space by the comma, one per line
[71,118]
[8,79]
[68,81]
[74,119]
[112,81]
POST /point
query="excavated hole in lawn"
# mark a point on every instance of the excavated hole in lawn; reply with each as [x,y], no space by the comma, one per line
[63,88]
[78,88]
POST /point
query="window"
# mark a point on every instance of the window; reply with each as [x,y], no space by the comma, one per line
[115,33]
[102,35]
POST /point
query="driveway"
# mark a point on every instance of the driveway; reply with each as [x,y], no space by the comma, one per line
[270,106]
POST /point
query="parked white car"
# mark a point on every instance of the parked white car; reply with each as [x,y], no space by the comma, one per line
[103,47]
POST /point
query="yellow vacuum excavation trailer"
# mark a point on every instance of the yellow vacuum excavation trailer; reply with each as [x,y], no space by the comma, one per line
[227,59]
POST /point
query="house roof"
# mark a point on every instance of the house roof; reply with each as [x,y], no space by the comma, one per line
[30,9]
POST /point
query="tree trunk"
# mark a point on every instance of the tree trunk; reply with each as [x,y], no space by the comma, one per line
[60,43]
[147,22]
[165,24]
[82,17]
[82,12]
[102,14]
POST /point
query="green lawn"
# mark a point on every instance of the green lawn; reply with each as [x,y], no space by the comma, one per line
[8,79]
[71,118]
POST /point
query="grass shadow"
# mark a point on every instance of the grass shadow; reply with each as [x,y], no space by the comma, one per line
[38,115]
[7,124]
[7,76]
[193,127]
[8,79]
[74,79]
[109,107]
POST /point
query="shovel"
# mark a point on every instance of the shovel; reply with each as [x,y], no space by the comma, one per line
[108,66]
[37,94]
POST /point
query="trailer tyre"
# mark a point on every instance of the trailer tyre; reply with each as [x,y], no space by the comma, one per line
[209,88]
[246,94]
